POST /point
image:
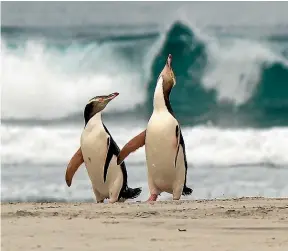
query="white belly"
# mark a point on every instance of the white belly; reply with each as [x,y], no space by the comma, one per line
[161,149]
[94,148]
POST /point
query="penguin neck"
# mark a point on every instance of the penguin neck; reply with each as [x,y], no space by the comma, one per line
[96,119]
[161,101]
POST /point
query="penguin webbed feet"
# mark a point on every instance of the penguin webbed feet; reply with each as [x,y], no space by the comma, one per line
[131,193]
[153,197]
[187,191]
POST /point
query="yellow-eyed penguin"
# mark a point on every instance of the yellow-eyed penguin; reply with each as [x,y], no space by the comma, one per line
[99,152]
[164,143]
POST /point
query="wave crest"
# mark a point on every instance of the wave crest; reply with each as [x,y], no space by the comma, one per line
[221,80]
[46,83]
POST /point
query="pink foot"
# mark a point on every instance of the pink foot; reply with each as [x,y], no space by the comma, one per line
[153,197]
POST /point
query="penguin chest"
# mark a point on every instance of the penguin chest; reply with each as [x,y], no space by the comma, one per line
[161,133]
[161,146]
[94,149]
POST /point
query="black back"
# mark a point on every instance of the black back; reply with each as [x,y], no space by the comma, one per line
[114,150]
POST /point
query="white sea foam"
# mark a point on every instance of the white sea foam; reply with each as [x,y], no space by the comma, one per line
[204,145]
[235,68]
[34,161]
[42,83]
[235,65]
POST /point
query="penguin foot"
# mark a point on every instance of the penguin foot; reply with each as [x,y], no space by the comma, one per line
[187,190]
[153,197]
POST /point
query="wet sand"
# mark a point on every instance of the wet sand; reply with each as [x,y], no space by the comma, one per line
[235,224]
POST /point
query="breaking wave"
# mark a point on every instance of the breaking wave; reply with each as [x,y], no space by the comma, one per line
[50,74]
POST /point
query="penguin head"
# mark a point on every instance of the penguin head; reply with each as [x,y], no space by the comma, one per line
[97,104]
[169,80]
[169,71]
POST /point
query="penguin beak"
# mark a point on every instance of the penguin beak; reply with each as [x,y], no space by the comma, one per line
[169,60]
[112,96]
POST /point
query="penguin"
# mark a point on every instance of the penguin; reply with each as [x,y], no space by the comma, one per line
[164,143]
[99,152]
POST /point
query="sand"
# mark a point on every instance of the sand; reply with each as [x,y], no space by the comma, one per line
[238,224]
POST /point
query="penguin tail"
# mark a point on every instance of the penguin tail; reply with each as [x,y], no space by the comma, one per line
[187,191]
[131,193]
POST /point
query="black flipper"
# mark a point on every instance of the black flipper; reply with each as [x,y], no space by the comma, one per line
[126,192]
[178,145]
[108,157]
[186,190]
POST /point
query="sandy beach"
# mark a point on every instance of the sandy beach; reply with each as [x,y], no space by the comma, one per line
[235,224]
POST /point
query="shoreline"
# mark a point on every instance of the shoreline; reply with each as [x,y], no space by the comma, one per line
[252,223]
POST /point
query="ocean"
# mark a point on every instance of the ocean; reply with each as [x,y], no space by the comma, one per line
[231,65]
